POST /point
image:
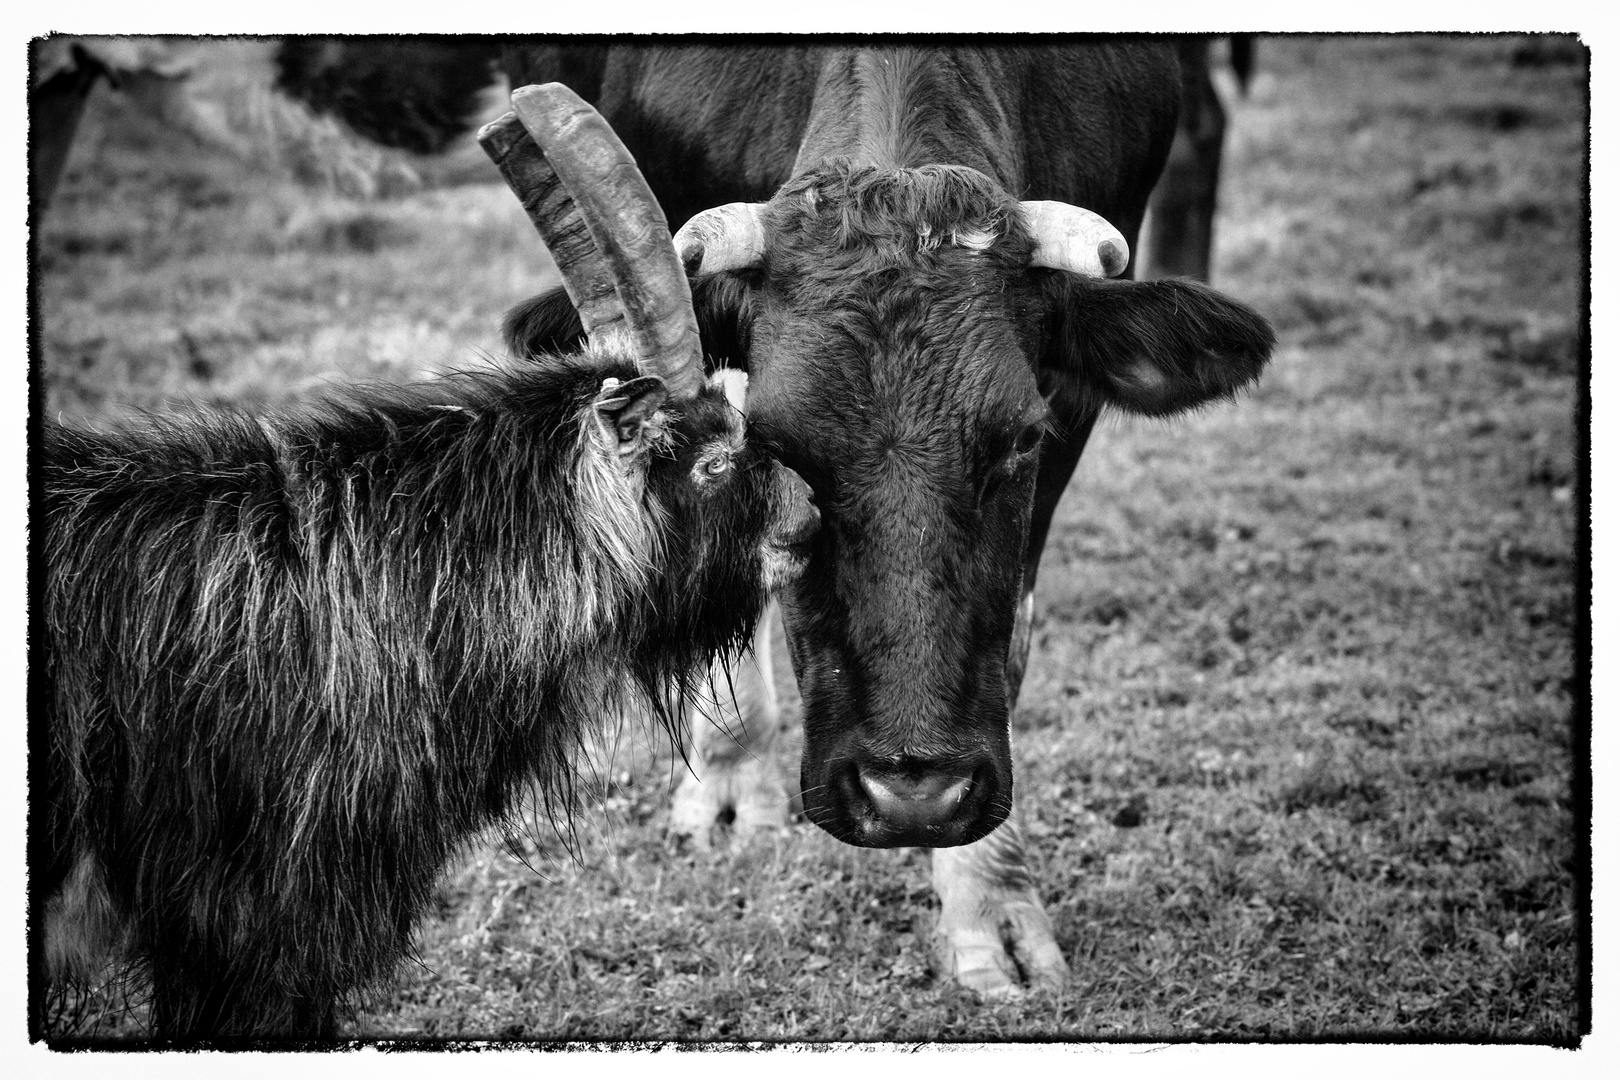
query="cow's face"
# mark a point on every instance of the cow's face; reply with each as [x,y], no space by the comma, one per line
[891,357]
[909,361]
[900,342]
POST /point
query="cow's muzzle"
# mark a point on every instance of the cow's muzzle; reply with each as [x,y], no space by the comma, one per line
[910,802]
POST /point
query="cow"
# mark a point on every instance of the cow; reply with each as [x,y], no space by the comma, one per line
[280,108]
[56,101]
[909,250]
[420,94]
[64,73]
[416,93]
[287,664]
[1181,213]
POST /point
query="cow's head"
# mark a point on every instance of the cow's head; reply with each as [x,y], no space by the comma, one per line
[913,336]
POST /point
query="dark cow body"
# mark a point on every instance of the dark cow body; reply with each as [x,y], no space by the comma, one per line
[933,383]
[412,93]
[710,125]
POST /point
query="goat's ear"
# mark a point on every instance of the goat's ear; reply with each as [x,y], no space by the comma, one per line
[541,324]
[1151,347]
[624,413]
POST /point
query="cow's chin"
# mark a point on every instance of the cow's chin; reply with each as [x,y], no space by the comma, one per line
[907,802]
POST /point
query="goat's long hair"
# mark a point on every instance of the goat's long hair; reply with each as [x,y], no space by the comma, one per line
[289,664]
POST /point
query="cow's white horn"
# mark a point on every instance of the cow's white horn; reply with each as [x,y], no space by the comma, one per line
[729,237]
[1074,239]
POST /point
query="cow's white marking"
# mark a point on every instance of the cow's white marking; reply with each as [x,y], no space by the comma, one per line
[1145,375]
[734,382]
[973,239]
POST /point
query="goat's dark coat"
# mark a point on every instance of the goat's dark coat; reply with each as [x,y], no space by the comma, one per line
[289,664]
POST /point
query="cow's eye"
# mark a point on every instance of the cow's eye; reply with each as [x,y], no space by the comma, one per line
[1028,439]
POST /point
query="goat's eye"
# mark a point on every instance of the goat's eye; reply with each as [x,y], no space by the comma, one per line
[717,465]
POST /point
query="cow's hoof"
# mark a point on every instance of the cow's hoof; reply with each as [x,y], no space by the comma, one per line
[1007,949]
[726,802]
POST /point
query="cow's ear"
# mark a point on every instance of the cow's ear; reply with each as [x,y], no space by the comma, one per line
[624,413]
[725,315]
[548,323]
[542,324]
[1152,347]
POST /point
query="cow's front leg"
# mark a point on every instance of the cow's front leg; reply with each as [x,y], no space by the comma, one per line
[733,782]
[993,935]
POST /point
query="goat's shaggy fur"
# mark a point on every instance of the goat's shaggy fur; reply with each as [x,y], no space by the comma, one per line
[289,664]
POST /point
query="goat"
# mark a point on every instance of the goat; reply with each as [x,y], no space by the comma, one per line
[290,663]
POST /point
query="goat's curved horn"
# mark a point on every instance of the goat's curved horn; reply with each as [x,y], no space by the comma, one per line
[604,229]
[1074,239]
[729,237]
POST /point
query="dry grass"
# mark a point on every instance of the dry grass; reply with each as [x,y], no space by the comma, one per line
[1299,746]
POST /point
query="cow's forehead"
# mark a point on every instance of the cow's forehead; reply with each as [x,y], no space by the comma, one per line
[920,376]
[890,318]
[952,338]
[858,217]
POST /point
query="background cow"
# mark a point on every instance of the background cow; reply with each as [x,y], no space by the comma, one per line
[1180,240]
[292,107]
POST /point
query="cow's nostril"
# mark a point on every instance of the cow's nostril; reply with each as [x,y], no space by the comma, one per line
[909,802]
[914,796]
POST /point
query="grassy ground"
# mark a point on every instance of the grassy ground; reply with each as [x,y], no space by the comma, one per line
[1299,747]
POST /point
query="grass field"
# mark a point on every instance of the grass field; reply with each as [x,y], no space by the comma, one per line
[1301,744]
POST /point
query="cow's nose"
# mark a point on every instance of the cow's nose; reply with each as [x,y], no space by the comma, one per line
[916,798]
[875,800]
[909,798]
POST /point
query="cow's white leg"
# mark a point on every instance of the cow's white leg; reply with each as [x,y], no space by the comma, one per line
[1018,648]
[993,935]
[734,780]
